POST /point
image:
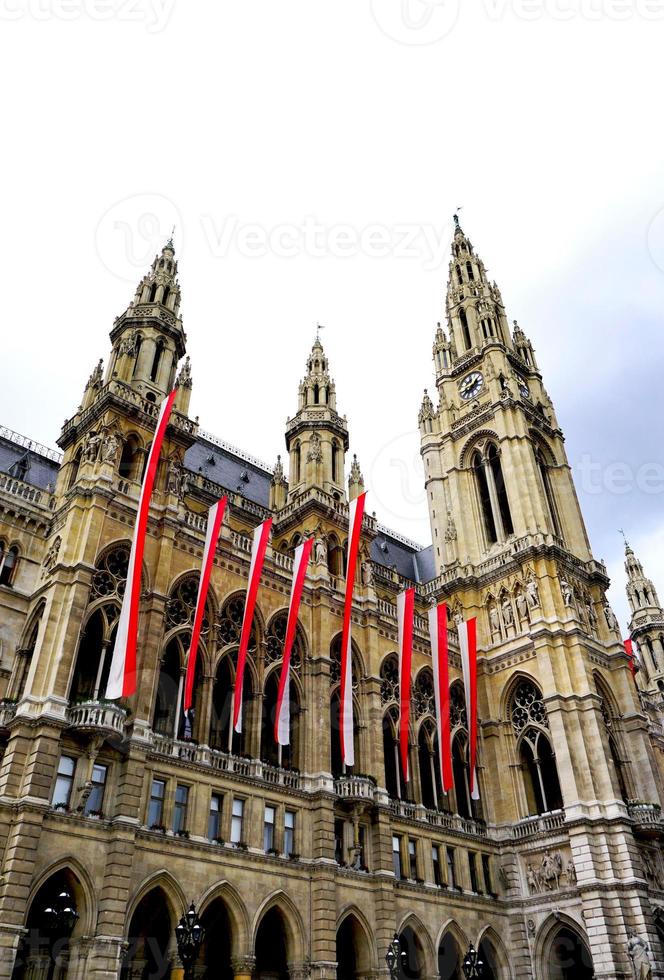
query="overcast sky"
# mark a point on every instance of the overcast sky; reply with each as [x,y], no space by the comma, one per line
[311,155]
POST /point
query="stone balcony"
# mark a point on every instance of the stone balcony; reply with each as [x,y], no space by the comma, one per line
[235,765]
[404,810]
[356,788]
[646,818]
[97,718]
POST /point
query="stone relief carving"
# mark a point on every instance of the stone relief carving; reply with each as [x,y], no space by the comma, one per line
[315,454]
[639,953]
[51,557]
[551,873]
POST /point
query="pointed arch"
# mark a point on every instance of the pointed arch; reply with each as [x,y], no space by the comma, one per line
[237,912]
[169,885]
[561,925]
[417,928]
[451,946]
[292,920]
[489,937]
[369,962]
[87,907]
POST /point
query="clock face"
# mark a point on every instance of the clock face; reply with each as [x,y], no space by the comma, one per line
[471,385]
[523,386]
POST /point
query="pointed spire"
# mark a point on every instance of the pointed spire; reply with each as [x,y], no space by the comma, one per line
[427,411]
[184,377]
[355,480]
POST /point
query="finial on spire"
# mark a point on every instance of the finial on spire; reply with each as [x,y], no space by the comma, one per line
[169,243]
[628,550]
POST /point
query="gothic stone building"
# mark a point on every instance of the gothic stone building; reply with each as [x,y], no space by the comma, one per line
[299,868]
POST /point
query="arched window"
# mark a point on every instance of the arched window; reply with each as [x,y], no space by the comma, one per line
[137,350]
[129,458]
[545,477]
[158,351]
[24,660]
[153,293]
[430,780]
[222,701]
[469,272]
[165,295]
[297,461]
[617,766]
[335,556]
[166,712]
[459,275]
[461,777]
[8,562]
[465,328]
[394,782]
[336,763]
[316,394]
[538,762]
[286,756]
[93,660]
[335,462]
[492,493]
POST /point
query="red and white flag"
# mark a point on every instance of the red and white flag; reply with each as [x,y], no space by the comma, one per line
[468,645]
[441,688]
[629,650]
[405,613]
[300,565]
[355,515]
[215,518]
[258,549]
[122,676]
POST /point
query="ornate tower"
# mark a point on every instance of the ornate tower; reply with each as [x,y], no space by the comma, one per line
[646,625]
[494,418]
[316,436]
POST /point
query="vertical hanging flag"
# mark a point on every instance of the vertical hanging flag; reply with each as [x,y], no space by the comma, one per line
[468,645]
[300,565]
[215,518]
[122,675]
[355,515]
[629,650]
[258,549]
[405,613]
[441,689]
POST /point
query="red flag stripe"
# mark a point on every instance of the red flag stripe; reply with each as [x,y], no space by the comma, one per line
[629,650]
[468,645]
[300,565]
[215,518]
[405,612]
[122,675]
[355,514]
[441,686]
[259,547]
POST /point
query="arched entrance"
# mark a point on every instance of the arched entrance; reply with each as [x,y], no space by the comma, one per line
[44,953]
[150,936]
[271,947]
[449,958]
[214,961]
[569,957]
[489,957]
[354,955]
[414,968]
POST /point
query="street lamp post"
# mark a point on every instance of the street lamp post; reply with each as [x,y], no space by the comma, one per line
[189,935]
[473,966]
[59,919]
[395,958]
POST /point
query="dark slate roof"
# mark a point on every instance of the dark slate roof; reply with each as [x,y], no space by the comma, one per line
[411,561]
[233,472]
[27,461]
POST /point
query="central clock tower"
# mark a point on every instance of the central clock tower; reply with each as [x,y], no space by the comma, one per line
[496,471]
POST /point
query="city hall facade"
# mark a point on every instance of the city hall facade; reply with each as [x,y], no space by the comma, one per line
[298,867]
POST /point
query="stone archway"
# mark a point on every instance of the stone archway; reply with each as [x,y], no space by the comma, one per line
[271,946]
[354,949]
[150,938]
[563,951]
[42,954]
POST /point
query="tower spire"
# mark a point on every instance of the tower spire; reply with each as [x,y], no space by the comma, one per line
[646,625]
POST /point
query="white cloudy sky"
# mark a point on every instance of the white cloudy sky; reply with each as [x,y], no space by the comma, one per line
[311,155]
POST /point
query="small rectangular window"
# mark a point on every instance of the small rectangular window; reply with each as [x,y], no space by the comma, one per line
[214,818]
[451,868]
[486,870]
[64,782]
[472,867]
[237,821]
[412,858]
[289,832]
[180,808]
[396,856]
[437,870]
[156,805]
[95,801]
[268,828]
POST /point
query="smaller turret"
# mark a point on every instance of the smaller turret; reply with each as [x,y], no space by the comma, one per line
[646,625]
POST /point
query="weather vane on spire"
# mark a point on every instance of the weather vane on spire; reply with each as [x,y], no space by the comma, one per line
[170,240]
[620,531]
[319,327]
[456,216]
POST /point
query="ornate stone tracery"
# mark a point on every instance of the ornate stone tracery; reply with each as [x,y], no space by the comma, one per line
[389,680]
[423,694]
[527,707]
[110,578]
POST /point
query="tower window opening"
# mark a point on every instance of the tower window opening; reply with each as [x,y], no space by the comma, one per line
[469,270]
[159,349]
[466,330]
[459,275]
[166,294]
[485,498]
[501,491]
[153,293]
[316,394]
[296,462]
[548,491]
[335,462]
[137,351]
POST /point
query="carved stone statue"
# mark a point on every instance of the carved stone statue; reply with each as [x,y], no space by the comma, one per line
[533,879]
[450,530]
[367,572]
[110,447]
[320,552]
[532,592]
[522,606]
[552,866]
[570,871]
[315,453]
[508,613]
[610,617]
[568,595]
[184,378]
[494,621]
[174,484]
[51,557]
[639,954]
[91,447]
[128,345]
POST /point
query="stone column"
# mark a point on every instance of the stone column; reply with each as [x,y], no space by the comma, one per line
[243,967]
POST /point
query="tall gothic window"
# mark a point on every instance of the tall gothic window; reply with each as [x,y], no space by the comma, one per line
[297,460]
[466,329]
[129,459]
[336,762]
[617,765]
[538,762]
[492,493]
[137,351]
[158,351]
[335,462]
[75,466]
[24,659]
[8,561]
[545,476]
[469,271]
[286,755]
